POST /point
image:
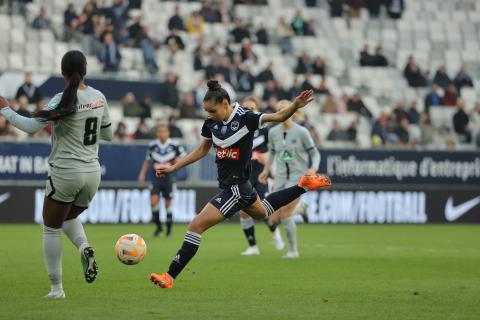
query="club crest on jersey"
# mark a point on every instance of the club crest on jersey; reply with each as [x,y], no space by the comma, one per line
[228,153]
[234,125]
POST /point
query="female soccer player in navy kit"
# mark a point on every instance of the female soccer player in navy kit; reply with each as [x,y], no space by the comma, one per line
[229,128]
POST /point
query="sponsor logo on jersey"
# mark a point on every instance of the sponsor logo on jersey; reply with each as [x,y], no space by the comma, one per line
[228,153]
[234,125]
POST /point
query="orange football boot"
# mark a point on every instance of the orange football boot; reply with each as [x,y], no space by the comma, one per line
[162,280]
[314,182]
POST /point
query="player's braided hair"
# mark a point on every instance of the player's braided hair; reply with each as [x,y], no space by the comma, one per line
[216,92]
[74,68]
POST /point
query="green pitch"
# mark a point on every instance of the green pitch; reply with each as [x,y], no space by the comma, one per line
[345,272]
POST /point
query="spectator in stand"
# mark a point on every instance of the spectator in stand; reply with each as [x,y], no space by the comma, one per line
[310,28]
[373,7]
[400,112]
[366,58]
[330,105]
[223,14]
[351,132]
[336,133]
[246,52]
[195,23]
[299,24]
[379,130]
[269,91]
[460,123]
[174,37]
[146,106]
[413,74]
[451,96]
[42,21]
[282,93]
[379,59]
[392,137]
[130,106]
[413,114]
[307,84]
[336,8]
[262,35]
[175,132]
[110,56]
[432,98]
[245,80]
[169,92]
[135,30]
[119,14]
[120,134]
[147,45]
[226,85]
[426,128]
[295,89]
[322,88]
[355,104]
[199,55]
[355,7]
[142,132]
[30,90]
[318,66]
[188,110]
[240,31]
[209,14]
[395,8]
[303,64]
[266,74]
[285,34]
[402,131]
[441,78]
[462,79]
[176,21]
[22,108]
[69,17]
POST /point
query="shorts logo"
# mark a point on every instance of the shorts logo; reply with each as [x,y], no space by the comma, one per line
[219,200]
[234,125]
[228,153]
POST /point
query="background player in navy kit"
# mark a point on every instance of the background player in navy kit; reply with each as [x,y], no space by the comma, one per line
[230,129]
[162,151]
[259,159]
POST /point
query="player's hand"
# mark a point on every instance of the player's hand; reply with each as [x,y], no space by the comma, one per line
[3,102]
[262,178]
[141,177]
[163,170]
[304,98]
[310,172]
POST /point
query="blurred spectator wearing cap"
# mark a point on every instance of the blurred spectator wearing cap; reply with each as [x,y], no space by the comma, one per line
[28,89]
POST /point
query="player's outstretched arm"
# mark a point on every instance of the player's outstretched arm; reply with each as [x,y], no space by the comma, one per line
[300,101]
[29,125]
[197,154]
[143,170]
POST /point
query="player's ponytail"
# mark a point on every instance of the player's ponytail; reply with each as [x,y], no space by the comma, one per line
[216,92]
[74,68]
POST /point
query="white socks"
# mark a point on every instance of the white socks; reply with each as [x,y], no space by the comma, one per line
[291,230]
[74,230]
[52,251]
[247,223]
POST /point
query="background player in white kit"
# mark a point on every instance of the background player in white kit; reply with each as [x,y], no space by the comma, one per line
[80,119]
[291,149]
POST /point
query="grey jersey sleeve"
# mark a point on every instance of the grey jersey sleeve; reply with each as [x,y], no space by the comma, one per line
[312,150]
[106,132]
[29,125]
[271,147]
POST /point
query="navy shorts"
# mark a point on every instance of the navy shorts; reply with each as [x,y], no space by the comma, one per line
[230,200]
[261,188]
[165,188]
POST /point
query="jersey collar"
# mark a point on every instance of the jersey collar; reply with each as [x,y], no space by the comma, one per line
[234,112]
[164,144]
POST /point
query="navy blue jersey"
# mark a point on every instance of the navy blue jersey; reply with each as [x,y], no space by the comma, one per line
[164,154]
[260,145]
[233,140]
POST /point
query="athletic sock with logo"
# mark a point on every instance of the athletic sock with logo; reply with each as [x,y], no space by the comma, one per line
[248,227]
[280,198]
[185,254]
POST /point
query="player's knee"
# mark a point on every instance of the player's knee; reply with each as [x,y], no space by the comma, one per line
[196,227]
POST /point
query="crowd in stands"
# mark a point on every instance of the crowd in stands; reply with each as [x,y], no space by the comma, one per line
[109,29]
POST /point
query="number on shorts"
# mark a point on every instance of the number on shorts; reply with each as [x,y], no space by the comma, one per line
[90,136]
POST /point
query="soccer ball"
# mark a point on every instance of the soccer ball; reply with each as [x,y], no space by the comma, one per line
[130,249]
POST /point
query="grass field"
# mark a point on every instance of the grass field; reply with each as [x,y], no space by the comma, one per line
[345,272]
